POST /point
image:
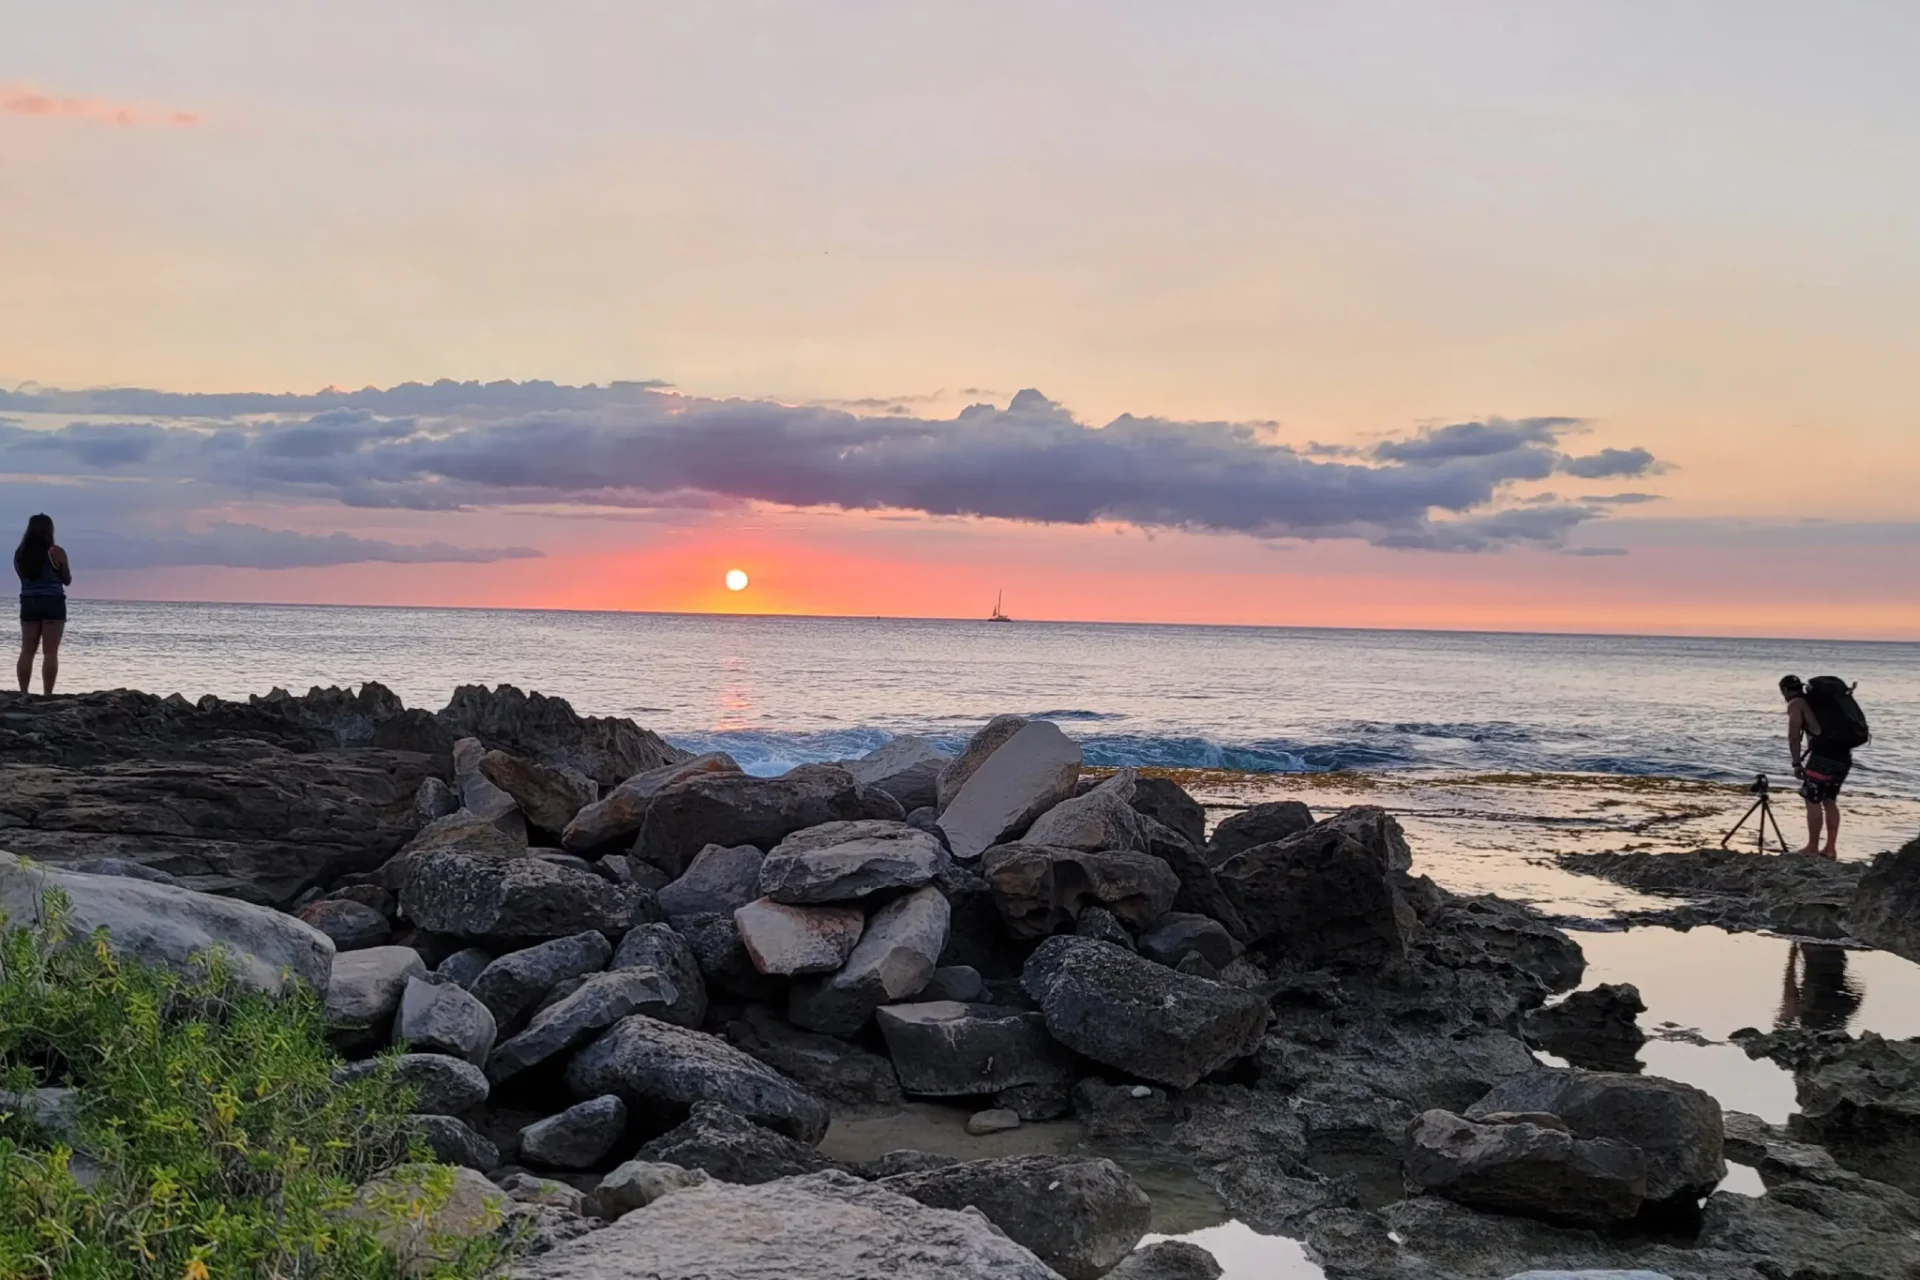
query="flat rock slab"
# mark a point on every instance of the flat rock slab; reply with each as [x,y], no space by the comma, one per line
[893,961]
[827,1226]
[945,1049]
[786,940]
[1885,908]
[600,1001]
[514,984]
[1026,775]
[477,897]
[849,861]
[826,1065]
[1526,1169]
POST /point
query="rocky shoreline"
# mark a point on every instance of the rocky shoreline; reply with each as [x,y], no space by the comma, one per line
[637,987]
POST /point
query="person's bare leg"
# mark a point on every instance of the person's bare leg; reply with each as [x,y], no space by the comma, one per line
[1832,851]
[29,641]
[1813,830]
[50,633]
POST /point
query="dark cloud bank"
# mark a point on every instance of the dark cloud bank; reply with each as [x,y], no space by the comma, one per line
[450,446]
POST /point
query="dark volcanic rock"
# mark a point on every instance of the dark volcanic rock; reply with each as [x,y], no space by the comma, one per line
[1807,897]
[1039,888]
[1168,804]
[618,815]
[1859,1098]
[485,898]
[1102,925]
[1139,1017]
[735,809]
[454,1143]
[1885,908]
[537,727]
[578,1138]
[353,926]
[826,1065]
[1200,891]
[513,986]
[442,1085]
[1373,828]
[944,1049]
[601,1000]
[732,1148]
[718,881]
[1593,1029]
[1179,934]
[1167,1260]
[725,967]
[442,1018]
[1527,1169]
[1260,824]
[893,961]
[1319,897]
[849,861]
[661,947]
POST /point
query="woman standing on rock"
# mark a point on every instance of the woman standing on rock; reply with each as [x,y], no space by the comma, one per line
[44,579]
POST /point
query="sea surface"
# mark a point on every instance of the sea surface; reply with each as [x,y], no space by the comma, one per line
[1495,751]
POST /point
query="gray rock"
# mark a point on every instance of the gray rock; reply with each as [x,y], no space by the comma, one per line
[527,1188]
[54,1112]
[732,1148]
[1319,897]
[1102,925]
[725,966]
[601,1001]
[442,1018]
[548,796]
[1101,819]
[1595,1029]
[954,982]
[906,768]
[1028,774]
[546,729]
[1136,1016]
[788,940]
[1039,888]
[1526,1169]
[1079,1215]
[661,1070]
[975,937]
[1885,910]
[1200,891]
[903,1162]
[984,743]
[464,965]
[621,812]
[718,880]
[579,1137]
[1167,1260]
[826,1226]
[513,985]
[638,1183]
[735,809]
[849,861]
[120,867]
[993,1120]
[352,926]
[1179,934]
[1677,1126]
[454,1143]
[365,987]
[498,900]
[1167,803]
[434,799]
[460,830]
[442,1085]
[944,1049]
[1121,1113]
[1259,824]
[825,1065]
[893,961]
[1036,1101]
[479,796]
[1859,1098]
[661,947]
[1376,830]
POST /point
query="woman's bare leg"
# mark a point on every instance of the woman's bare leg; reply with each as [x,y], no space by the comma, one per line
[29,641]
[50,633]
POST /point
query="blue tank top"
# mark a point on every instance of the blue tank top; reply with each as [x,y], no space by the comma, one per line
[47,585]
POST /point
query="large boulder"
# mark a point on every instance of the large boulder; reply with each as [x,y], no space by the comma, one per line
[735,809]
[351,926]
[1200,891]
[1595,1029]
[1167,803]
[1533,1170]
[894,961]
[578,1138]
[732,1148]
[1080,1215]
[618,815]
[1039,888]
[441,1085]
[1167,1260]
[720,879]
[1886,904]
[1319,897]
[600,1001]
[442,1018]
[907,768]
[1677,1126]
[945,1049]
[788,940]
[365,988]
[826,1065]
[604,748]
[1256,825]
[1026,775]
[849,861]
[984,743]
[1102,818]
[513,985]
[548,796]
[482,898]
[170,927]
[1373,828]
[1133,1015]
[661,947]
[661,1070]
[826,1226]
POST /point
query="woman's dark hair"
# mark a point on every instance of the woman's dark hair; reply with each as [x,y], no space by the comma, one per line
[30,560]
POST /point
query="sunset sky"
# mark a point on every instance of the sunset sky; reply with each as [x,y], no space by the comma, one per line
[1559,316]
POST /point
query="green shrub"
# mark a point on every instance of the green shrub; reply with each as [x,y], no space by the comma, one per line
[210,1141]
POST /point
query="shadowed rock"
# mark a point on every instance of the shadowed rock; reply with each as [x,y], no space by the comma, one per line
[735,809]
[849,861]
[513,985]
[732,1148]
[600,1001]
[619,814]
[662,948]
[1038,888]
[1535,1171]
[826,1065]
[1257,825]
[549,796]
[481,898]
[1885,908]
[719,880]
[1319,897]
[578,1138]
[894,961]
[944,1049]
[1026,775]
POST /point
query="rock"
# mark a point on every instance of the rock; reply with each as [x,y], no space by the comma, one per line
[717,881]
[579,1137]
[54,1112]
[906,768]
[661,1070]
[1376,830]
[997,1120]
[1591,1275]
[513,985]
[463,966]
[1677,1126]
[549,797]
[974,934]
[1102,925]
[825,1065]
[1036,1101]
[1100,819]
[434,799]
[437,1018]
[1039,888]
[454,1143]
[954,982]
[1168,804]
[1593,1029]
[1200,891]
[601,1000]
[903,1162]
[479,796]
[1167,1260]
[1732,889]
[537,727]
[788,940]
[504,900]
[171,927]
[1131,1014]
[1318,897]
[661,947]
[1257,825]
[525,1188]
[849,861]
[893,961]
[1179,934]
[826,1226]
[1526,1169]
[365,987]
[1885,909]
[732,1148]
[984,743]
[1858,1098]
[462,831]
[725,966]
[638,1183]
[1079,1215]
[120,867]
[944,1049]
[422,1239]
[1028,774]
[620,814]
[735,809]
[442,1085]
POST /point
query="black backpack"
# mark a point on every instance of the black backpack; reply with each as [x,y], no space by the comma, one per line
[1843,724]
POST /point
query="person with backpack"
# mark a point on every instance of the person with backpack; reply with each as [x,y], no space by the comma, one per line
[1824,725]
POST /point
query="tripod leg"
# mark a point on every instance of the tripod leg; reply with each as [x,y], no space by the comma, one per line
[1743,822]
[1776,831]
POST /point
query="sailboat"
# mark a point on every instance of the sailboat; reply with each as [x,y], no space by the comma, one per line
[996,615]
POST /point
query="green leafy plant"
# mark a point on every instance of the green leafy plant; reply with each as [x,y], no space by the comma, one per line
[204,1137]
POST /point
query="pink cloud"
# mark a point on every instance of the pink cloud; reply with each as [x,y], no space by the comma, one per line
[23,100]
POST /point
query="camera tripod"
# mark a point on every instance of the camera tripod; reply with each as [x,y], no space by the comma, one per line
[1762,806]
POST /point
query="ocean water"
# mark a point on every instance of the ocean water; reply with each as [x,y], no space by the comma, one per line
[776,692]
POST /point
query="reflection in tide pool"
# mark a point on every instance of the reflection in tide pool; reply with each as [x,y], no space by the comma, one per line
[1245,1254]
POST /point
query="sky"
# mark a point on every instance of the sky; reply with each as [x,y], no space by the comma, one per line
[1536,316]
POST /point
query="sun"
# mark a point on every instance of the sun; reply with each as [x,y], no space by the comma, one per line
[736,579]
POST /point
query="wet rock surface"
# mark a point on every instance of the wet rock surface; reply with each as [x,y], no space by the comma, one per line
[1885,908]
[1806,897]
[1596,1029]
